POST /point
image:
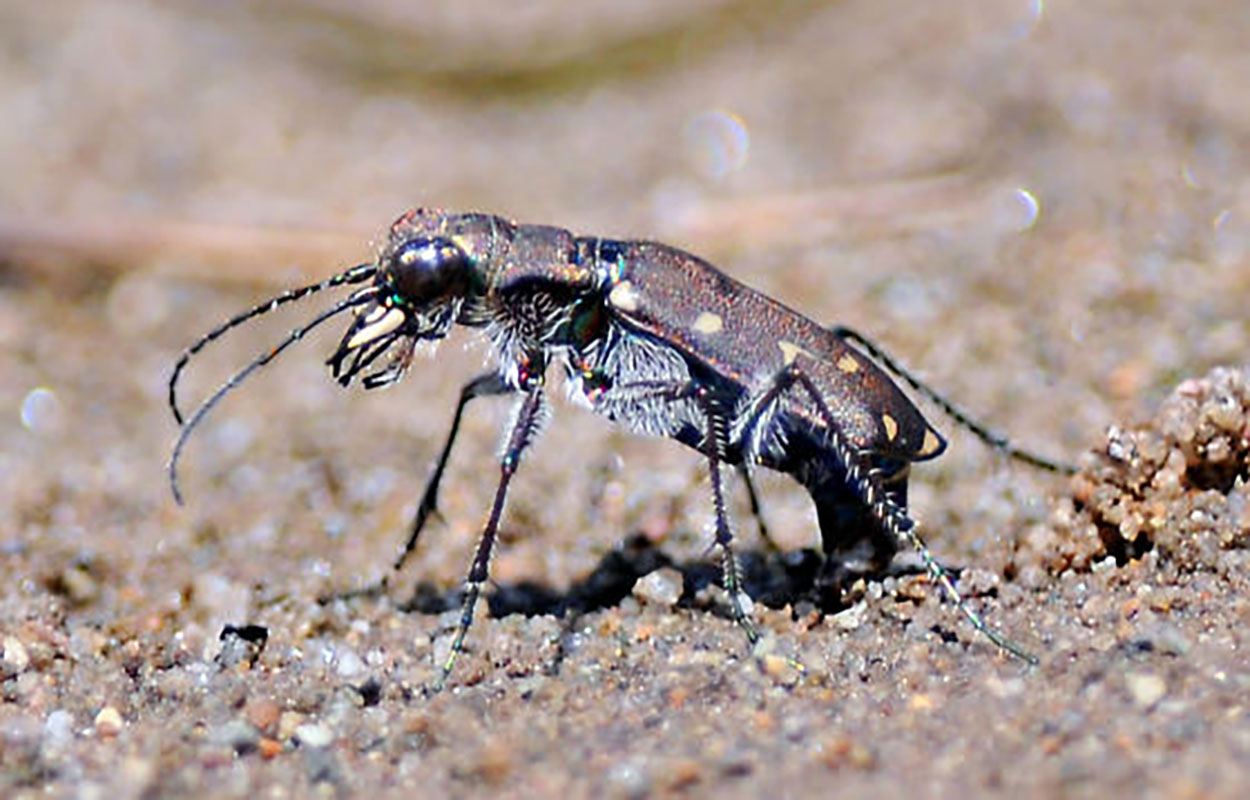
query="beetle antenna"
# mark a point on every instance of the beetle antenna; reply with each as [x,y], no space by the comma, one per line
[359,298]
[994,440]
[357,274]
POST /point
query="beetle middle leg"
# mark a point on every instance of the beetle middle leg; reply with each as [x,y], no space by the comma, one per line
[717,442]
[757,509]
[714,447]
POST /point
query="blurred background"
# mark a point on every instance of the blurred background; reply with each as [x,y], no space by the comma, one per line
[1042,206]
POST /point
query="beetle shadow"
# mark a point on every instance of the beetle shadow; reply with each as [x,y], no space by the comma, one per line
[773,578]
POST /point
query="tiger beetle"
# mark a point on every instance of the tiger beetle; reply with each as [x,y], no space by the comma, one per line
[654,338]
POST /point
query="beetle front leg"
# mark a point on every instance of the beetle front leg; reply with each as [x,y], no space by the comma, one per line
[528,418]
[487,385]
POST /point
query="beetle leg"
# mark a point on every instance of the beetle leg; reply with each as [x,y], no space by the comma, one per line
[717,434]
[486,385]
[528,419]
[995,441]
[757,510]
[867,483]
[715,444]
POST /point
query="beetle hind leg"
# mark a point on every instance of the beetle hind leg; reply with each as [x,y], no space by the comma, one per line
[996,441]
[868,483]
[854,541]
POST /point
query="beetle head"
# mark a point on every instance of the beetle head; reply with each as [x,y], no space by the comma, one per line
[421,283]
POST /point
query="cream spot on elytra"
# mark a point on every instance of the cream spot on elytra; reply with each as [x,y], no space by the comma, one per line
[931,443]
[624,296]
[848,364]
[891,427]
[708,323]
[790,351]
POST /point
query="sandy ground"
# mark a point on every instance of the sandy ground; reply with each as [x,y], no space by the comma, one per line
[1046,213]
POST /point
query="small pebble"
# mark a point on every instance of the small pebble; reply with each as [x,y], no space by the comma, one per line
[263,714]
[241,645]
[288,723]
[682,773]
[236,734]
[79,586]
[314,735]
[629,778]
[109,722]
[269,748]
[838,751]
[1146,688]
[851,618]
[659,588]
[16,659]
[783,670]
[348,664]
[58,729]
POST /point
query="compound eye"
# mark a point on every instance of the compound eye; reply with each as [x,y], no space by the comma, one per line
[423,270]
